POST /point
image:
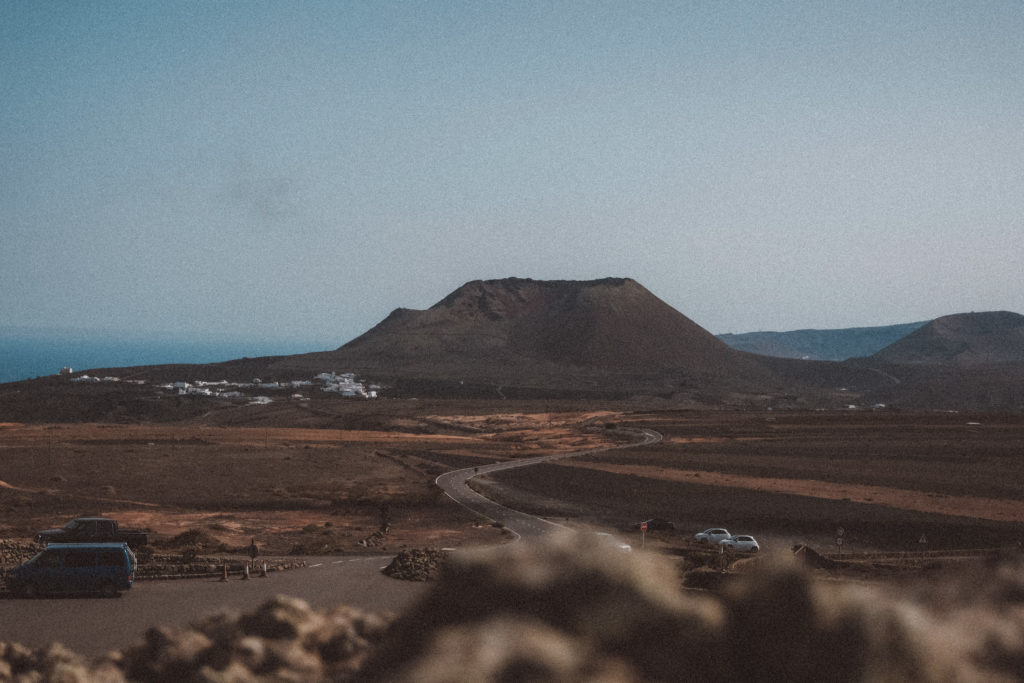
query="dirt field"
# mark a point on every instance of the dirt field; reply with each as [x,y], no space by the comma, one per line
[301,490]
[888,479]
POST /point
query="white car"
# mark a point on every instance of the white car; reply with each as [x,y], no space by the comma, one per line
[743,544]
[612,541]
[712,536]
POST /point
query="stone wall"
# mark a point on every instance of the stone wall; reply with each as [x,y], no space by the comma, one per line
[156,565]
[13,553]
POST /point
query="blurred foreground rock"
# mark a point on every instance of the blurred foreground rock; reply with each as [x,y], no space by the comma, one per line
[570,610]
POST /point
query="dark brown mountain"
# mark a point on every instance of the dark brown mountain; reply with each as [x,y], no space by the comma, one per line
[963,340]
[605,335]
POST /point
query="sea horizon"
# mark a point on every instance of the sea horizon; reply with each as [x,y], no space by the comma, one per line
[27,353]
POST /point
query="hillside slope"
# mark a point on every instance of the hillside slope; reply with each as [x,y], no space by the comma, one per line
[838,344]
[964,339]
[957,362]
[601,334]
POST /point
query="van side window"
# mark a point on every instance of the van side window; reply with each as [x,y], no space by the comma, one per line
[49,558]
[110,558]
[79,558]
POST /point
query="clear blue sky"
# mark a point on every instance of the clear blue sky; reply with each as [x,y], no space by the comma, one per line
[297,170]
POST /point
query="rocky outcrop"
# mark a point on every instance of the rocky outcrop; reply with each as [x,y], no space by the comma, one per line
[54,663]
[567,611]
[417,564]
[282,640]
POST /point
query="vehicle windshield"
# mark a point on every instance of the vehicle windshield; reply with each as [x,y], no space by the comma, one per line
[45,559]
[73,524]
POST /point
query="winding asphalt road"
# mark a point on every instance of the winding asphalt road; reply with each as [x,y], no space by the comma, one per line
[526,527]
[94,626]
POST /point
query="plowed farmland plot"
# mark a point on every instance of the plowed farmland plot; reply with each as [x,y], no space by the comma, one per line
[890,481]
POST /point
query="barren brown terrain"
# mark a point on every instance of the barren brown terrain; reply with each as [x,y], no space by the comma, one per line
[297,490]
[889,479]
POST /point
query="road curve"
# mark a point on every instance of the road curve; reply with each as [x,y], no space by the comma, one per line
[527,527]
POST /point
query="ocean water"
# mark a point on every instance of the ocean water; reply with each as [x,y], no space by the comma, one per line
[28,355]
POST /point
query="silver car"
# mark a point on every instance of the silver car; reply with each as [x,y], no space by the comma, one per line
[712,536]
[611,541]
[743,544]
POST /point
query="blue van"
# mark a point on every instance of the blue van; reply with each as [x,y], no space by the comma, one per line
[105,568]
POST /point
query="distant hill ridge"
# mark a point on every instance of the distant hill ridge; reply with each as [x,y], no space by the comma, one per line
[811,344]
[964,339]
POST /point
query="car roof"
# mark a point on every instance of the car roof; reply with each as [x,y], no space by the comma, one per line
[59,546]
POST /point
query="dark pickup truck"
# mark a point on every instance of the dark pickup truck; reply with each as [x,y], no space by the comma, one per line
[93,530]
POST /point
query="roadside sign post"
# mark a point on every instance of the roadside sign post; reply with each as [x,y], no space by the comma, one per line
[643,534]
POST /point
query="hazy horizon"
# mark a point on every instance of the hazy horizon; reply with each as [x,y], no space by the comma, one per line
[268,169]
[28,352]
